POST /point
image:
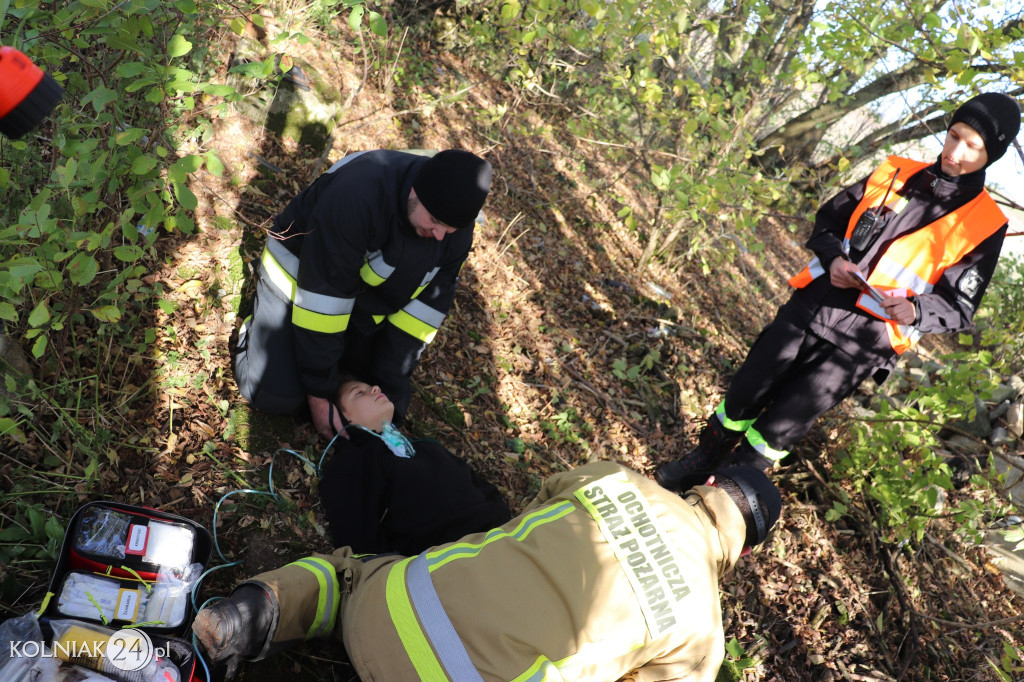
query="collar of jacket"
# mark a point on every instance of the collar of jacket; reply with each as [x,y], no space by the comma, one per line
[403,196]
[943,187]
[726,518]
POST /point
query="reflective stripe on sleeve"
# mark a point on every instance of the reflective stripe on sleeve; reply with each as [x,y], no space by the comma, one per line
[320,313]
[375,270]
[310,310]
[276,273]
[418,320]
[328,598]
[317,322]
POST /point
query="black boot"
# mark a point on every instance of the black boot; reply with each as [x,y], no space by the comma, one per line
[232,629]
[746,455]
[714,444]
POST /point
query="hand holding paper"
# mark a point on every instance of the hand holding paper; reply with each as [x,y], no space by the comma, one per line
[873,292]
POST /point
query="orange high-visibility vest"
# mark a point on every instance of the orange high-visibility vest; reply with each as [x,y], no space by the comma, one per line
[915,261]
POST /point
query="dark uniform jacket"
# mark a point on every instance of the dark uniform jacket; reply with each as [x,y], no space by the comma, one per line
[351,234]
[832,314]
[377,502]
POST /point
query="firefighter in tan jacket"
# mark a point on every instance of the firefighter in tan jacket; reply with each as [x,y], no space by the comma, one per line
[605,575]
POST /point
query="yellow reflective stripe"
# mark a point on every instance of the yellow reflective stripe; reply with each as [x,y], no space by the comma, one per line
[277,275]
[369,276]
[542,670]
[731,424]
[375,270]
[412,326]
[757,441]
[404,619]
[328,597]
[317,322]
[530,522]
[419,291]
[378,318]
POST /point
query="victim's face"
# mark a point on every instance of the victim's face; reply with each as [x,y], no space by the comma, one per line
[365,405]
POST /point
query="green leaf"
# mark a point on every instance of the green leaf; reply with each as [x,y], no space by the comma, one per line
[131,69]
[82,269]
[355,18]
[129,136]
[143,164]
[510,11]
[214,164]
[377,24]
[99,98]
[186,6]
[216,90]
[190,163]
[178,46]
[39,347]
[40,315]
[54,529]
[8,427]
[106,313]
[128,253]
[11,533]
[8,312]
[37,521]
[185,196]
[237,26]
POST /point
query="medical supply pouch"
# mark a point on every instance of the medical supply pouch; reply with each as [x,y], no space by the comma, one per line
[91,652]
[123,565]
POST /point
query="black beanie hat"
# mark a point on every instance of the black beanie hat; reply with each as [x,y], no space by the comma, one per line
[453,185]
[762,496]
[995,116]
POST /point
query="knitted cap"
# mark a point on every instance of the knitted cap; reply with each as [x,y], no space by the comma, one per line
[995,116]
[453,185]
[762,496]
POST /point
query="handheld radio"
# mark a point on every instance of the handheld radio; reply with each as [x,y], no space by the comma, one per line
[868,225]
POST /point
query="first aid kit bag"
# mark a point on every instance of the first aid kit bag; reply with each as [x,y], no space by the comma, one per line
[126,565]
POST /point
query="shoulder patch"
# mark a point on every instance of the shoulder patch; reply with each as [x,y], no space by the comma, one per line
[969,283]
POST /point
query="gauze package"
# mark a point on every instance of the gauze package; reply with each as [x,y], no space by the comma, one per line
[84,595]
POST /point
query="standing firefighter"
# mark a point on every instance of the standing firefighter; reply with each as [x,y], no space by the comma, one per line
[359,271]
[604,575]
[906,252]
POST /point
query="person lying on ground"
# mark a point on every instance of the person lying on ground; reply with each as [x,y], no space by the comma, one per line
[384,493]
[604,575]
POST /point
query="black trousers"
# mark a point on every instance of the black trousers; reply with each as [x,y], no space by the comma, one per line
[267,373]
[788,380]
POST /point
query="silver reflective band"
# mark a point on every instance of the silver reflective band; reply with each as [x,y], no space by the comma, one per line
[439,630]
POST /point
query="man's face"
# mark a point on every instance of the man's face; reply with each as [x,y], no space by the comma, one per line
[365,405]
[426,225]
[963,151]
